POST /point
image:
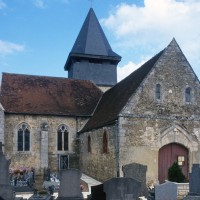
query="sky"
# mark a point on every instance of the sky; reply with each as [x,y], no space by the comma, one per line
[36,36]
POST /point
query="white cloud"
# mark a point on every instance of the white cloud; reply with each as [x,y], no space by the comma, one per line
[127,69]
[39,3]
[148,29]
[8,47]
[2,4]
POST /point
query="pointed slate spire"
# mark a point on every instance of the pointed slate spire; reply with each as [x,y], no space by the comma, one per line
[91,46]
[92,42]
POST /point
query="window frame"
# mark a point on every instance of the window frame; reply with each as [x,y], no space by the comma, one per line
[63,138]
[158,92]
[89,144]
[24,130]
[105,142]
[188,95]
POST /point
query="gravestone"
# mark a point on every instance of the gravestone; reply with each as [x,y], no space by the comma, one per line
[137,172]
[97,192]
[194,186]
[166,191]
[70,185]
[6,191]
[122,189]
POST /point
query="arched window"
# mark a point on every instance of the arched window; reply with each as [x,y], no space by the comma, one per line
[62,138]
[23,138]
[89,144]
[158,92]
[188,95]
[105,142]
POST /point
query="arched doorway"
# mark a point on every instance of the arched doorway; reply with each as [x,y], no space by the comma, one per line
[169,154]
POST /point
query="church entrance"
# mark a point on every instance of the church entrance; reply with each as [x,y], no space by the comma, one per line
[169,154]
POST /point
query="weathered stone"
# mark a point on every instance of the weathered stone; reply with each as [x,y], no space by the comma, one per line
[70,185]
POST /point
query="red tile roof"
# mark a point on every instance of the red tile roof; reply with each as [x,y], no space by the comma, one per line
[29,94]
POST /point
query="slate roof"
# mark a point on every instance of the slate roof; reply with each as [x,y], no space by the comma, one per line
[29,94]
[113,101]
[92,42]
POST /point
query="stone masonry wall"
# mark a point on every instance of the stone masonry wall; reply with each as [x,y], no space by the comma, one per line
[97,164]
[1,124]
[146,123]
[33,157]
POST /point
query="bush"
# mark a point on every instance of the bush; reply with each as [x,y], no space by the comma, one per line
[175,174]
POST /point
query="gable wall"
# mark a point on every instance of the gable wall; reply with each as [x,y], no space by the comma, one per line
[144,119]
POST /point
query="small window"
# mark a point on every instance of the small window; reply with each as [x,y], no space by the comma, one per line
[62,138]
[158,92]
[105,142]
[188,95]
[89,144]
[23,138]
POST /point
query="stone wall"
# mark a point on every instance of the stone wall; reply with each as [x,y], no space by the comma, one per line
[41,148]
[97,164]
[146,123]
[1,124]
[141,139]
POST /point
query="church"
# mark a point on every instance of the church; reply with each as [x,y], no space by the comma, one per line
[90,122]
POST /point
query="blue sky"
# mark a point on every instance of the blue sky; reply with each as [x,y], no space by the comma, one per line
[37,35]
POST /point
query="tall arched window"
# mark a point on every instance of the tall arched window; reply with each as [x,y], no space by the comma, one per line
[105,142]
[188,95]
[23,138]
[158,92]
[62,138]
[89,144]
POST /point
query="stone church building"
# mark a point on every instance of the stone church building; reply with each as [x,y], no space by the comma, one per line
[91,122]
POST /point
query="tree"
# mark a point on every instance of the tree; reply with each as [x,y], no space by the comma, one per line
[175,174]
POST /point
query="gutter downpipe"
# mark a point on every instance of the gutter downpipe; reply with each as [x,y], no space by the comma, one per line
[117,147]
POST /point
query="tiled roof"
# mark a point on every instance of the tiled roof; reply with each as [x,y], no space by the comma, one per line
[113,101]
[92,42]
[48,95]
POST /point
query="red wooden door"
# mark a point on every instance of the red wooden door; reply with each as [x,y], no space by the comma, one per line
[169,154]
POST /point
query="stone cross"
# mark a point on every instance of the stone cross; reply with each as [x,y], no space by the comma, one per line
[1,145]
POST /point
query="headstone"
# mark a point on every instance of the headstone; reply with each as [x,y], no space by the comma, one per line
[70,185]
[166,191]
[97,192]
[137,172]
[194,186]
[122,189]
[6,191]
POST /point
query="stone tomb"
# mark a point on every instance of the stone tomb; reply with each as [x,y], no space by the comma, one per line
[70,185]
[194,186]
[122,189]
[6,191]
[166,191]
[138,173]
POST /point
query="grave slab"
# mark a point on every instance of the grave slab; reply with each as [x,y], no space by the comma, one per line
[70,185]
[122,189]
[6,190]
[166,191]
[137,172]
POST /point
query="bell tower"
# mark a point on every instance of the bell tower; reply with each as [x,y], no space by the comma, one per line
[92,57]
